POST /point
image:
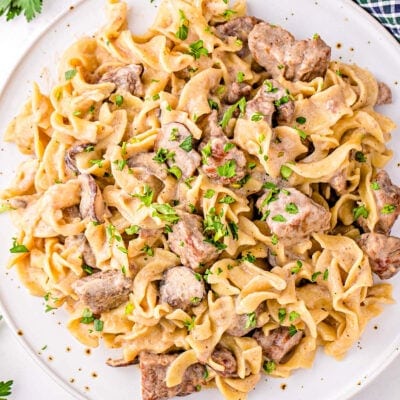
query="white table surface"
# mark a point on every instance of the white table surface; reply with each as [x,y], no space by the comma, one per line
[30,382]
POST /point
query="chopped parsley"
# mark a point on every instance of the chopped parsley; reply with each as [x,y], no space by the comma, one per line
[119,100]
[189,324]
[175,171]
[286,172]
[269,87]
[98,325]
[293,316]
[227,200]
[132,230]
[301,133]
[279,218]
[209,193]
[165,212]
[283,100]
[269,367]
[292,330]
[87,316]
[121,164]
[5,388]
[326,275]
[229,112]
[360,211]
[195,300]
[206,152]
[88,269]
[174,135]
[70,74]
[213,225]
[18,248]
[274,239]
[227,14]
[213,104]
[240,77]
[249,257]
[187,143]
[297,268]
[183,29]
[129,308]
[233,227]
[147,197]
[228,147]
[148,250]
[315,275]
[98,163]
[292,208]
[360,157]
[257,116]
[197,50]
[301,120]
[375,186]
[388,209]
[281,314]
[228,169]
[251,320]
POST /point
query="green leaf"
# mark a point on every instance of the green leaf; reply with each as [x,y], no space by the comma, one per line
[388,209]
[5,207]
[5,387]
[132,230]
[297,268]
[269,367]
[87,316]
[228,169]
[176,171]
[209,193]
[189,323]
[88,269]
[233,227]
[251,320]
[183,29]
[70,74]
[18,248]
[281,314]
[148,250]
[360,157]
[163,155]
[360,211]
[301,120]
[315,275]
[326,275]
[187,144]
[279,218]
[249,257]
[119,100]
[227,14]
[269,87]
[240,77]
[286,172]
[228,146]
[30,7]
[375,186]
[213,104]
[274,239]
[292,208]
[292,330]
[165,212]
[229,112]
[257,116]
[227,200]
[196,49]
[147,197]
[98,325]
[293,316]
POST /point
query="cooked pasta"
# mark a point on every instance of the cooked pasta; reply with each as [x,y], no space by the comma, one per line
[208,197]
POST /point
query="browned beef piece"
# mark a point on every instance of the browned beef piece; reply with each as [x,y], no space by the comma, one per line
[83,245]
[387,199]
[280,54]
[187,241]
[222,153]
[181,288]
[239,28]
[92,205]
[384,94]
[71,214]
[72,152]
[174,137]
[154,368]
[383,253]
[291,214]
[127,78]
[242,324]
[104,290]
[223,356]
[278,343]
[271,98]
[339,182]
[236,91]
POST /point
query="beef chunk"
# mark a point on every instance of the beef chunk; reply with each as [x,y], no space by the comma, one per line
[384,94]
[280,54]
[146,162]
[126,78]
[291,214]
[239,28]
[236,91]
[387,199]
[339,182]
[223,162]
[180,288]
[72,152]
[92,205]
[187,241]
[223,356]
[172,137]
[278,343]
[104,290]
[383,253]
[154,368]
[271,98]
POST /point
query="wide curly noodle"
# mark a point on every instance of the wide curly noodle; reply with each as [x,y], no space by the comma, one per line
[333,312]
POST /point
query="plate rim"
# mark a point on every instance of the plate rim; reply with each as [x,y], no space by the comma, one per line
[372,376]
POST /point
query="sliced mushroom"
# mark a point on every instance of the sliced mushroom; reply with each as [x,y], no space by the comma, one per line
[72,152]
[92,204]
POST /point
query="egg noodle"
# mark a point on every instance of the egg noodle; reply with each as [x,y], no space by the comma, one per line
[320,284]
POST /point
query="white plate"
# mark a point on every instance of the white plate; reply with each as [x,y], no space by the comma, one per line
[354,37]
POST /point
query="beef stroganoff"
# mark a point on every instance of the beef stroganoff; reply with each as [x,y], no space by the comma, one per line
[209,197]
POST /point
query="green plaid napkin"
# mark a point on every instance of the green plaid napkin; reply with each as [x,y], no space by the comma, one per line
[387,12]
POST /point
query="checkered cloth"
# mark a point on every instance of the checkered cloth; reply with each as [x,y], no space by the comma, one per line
[387,12]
